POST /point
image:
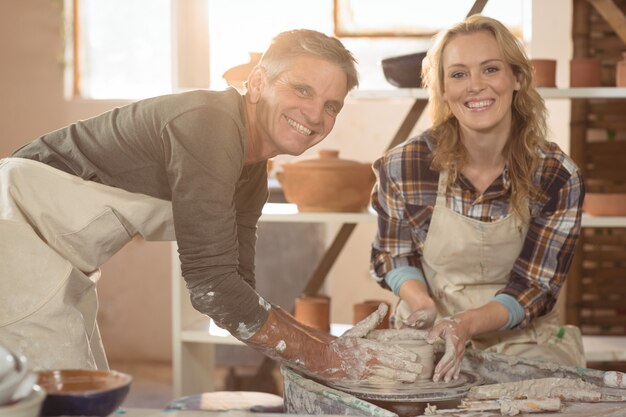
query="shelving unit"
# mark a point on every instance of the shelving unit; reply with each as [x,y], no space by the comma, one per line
[194,336]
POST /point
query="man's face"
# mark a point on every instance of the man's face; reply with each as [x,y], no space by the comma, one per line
[298,109]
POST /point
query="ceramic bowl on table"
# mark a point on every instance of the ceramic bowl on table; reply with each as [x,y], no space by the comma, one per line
[83,392]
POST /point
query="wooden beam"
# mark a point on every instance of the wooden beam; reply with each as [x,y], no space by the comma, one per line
[613,15]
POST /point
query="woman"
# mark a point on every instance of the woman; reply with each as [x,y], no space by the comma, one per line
[479,215]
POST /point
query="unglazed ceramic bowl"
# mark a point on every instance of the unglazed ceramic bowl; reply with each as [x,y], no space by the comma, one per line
[327,183]
[83,392]
[598,204]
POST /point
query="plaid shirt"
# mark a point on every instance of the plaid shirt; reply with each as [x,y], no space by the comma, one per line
[404,197]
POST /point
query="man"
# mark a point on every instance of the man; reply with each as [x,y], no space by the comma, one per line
[194,163]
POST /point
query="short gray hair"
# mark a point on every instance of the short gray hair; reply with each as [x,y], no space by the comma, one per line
[292,44]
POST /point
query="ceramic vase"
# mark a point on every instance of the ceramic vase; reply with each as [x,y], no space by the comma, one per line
[544,72]
[609,204]
[620,72]
[585,72]
[313,311]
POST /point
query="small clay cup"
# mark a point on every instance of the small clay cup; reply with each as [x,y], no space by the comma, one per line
[544,72]
[364,309]
[585,72]
[313,311]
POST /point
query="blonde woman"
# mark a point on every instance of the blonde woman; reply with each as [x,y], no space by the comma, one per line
[479,215]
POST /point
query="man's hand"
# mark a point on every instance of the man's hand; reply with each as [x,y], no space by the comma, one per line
[360,359]
[349,357]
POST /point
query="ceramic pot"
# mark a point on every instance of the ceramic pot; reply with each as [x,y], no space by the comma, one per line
[544,72]
[327,183]
[364,309]
[238,75]
[598,204]
[405,338]
[620,72]
[585,72]
[313,311]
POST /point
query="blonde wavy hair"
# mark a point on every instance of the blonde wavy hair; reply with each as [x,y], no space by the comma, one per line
[528,127]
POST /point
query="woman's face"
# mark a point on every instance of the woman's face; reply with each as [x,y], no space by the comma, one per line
[478,83]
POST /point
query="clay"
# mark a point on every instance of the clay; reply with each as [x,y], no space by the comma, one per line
[565,388]
[412,340]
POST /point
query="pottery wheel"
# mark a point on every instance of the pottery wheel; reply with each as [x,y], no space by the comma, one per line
[421,391]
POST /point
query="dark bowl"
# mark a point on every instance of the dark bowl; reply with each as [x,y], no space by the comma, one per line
[83,392]
[404,71]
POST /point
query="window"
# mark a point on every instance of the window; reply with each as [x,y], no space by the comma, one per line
[123,48]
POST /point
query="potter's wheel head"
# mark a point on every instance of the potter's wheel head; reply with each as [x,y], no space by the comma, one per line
[421,391]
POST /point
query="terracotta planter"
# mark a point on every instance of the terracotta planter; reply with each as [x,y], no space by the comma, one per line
[585,72]
[327,183]
[313,311]
[598,204]
[364,309]
[620,72]
[544,72]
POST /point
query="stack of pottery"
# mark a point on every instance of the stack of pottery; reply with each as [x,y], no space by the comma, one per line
[327,183]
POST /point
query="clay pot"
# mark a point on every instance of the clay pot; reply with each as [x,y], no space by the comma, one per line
[598,204]
[364,309]
[620,72]
[585,72]
[327,183]
[405,338]
[544,72]
[313,311]
[238,75]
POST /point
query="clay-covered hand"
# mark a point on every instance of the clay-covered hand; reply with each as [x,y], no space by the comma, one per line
[361,359]
[455,334]
[422,318]
[349,357]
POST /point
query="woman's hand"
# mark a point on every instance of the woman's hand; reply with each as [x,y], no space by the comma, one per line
[455,333]
[423,310]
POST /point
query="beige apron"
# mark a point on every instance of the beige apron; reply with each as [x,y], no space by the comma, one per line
[56,230]
[466,262]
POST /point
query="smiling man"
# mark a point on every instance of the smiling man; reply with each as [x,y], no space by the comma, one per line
[190,167]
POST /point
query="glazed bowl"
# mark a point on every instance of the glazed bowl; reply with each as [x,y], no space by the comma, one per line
[327,183]
[404,71]
[26,407]
[83,392]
